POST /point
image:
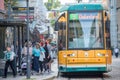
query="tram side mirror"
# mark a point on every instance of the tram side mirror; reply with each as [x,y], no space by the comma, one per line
[105,13]
[56,26]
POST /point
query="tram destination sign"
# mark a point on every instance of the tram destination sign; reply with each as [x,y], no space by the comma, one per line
[83,16]
[22,9]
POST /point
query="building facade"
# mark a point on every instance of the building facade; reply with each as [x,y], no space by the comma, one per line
[118,22]
[2,29]
[2,10]
[1,4]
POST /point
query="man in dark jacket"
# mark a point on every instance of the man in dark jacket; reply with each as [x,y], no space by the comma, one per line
[9,57]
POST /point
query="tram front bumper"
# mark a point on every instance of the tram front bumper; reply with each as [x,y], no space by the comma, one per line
[82,69]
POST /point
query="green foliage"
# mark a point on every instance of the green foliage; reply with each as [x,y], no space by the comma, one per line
[52,4]
[48,5]
[52,22]
[13,2]
[78,0]
[56,4]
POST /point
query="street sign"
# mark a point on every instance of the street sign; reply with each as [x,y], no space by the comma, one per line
[22,9]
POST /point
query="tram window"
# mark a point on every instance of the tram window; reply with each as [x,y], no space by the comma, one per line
[62,25]
[86,32]
[107,25]
[62,36]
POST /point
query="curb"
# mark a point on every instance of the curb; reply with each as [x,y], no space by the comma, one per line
[50,78]
[29,79]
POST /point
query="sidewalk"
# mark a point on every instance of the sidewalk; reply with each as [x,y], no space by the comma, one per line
[52,75]
[114,59]
[44,76]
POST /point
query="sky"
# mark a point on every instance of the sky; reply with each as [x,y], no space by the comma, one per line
[64,1]
[67,1]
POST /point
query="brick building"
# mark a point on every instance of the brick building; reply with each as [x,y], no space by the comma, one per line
[1,4]
[1,9]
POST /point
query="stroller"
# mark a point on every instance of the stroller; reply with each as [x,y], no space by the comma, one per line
[24,66]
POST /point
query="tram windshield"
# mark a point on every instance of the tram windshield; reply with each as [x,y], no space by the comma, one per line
[85,30]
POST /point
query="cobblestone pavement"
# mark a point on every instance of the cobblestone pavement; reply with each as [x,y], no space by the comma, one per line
[113,75]
[44,76]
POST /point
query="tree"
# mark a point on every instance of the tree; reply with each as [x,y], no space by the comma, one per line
[13,3]
[52,4]
[36,35]
[39,23]
[56,4]
[40,13]
[78,0]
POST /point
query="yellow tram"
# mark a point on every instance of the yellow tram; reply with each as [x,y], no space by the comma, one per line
[84,39]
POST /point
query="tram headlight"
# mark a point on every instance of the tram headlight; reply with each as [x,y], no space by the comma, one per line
[64,55]
[100,54]
[72,55]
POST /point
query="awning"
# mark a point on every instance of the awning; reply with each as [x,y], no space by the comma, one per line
[12,22]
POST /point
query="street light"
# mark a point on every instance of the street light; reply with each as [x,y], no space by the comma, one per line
[28,55]
[9,9]
[48,31]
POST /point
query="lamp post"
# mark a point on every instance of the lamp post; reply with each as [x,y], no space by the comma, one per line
[28,55]
[9,9]
[48,31]
[9,16]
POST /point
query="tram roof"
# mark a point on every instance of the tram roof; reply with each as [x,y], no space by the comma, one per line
[78,7]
